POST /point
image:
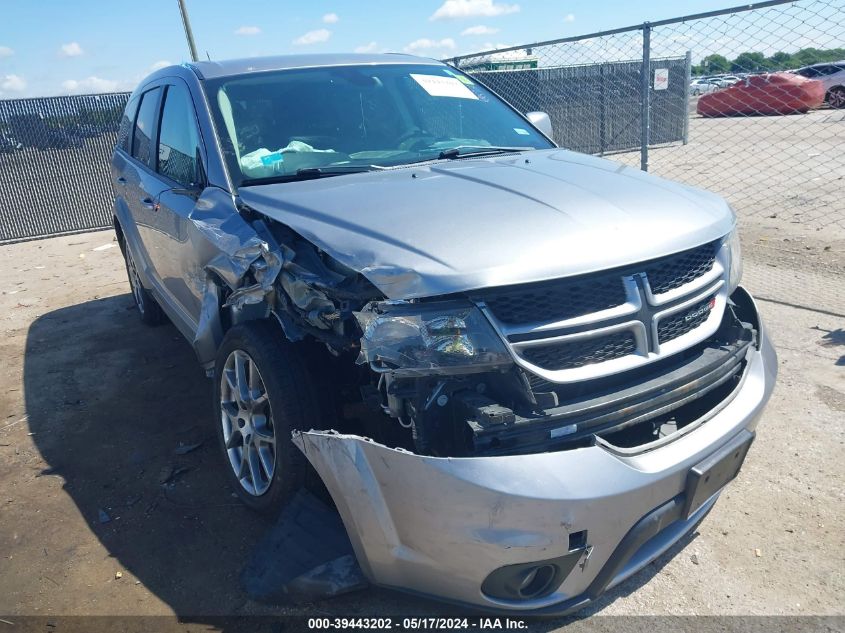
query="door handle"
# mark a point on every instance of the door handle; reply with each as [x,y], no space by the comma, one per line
[121,180]
[150,204]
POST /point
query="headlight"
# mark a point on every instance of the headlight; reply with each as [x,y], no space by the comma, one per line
[435,338]
[735,260]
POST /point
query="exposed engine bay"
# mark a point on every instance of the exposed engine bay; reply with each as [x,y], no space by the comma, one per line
[432,376]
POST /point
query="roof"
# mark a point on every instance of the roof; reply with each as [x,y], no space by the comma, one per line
[840,62]
[226,68]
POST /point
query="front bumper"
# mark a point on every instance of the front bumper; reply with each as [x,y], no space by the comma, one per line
[441,526]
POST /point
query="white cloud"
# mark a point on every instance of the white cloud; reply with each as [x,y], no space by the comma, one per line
[73,49]
[570,17]
[480,30]
[160,64]
[452,9]
[247,30]
[91,84]
[425,44]
[12,83]
[367,48]
[331,18]
[5,51]
[313,37]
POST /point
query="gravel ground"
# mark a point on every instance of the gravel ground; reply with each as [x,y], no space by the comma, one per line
[784,171]
[93,406]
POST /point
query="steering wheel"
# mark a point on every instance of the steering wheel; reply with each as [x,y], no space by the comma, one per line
[413,133]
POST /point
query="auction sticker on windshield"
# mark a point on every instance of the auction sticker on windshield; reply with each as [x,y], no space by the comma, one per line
[438,86]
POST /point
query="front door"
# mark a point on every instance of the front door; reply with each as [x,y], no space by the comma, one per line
[179,165]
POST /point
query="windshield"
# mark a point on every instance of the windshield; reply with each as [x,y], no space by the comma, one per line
[308,122]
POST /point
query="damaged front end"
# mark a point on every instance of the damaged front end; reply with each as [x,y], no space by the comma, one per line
[461,474]
[531,520]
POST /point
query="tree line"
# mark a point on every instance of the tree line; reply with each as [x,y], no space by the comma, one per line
[757,62]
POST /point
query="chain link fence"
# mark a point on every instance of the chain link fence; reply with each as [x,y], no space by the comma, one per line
[748,102]
[54,164]
[759,92]
[745,116]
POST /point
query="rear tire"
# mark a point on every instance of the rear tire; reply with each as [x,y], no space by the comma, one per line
[149,310]
[836,97]
[262,392]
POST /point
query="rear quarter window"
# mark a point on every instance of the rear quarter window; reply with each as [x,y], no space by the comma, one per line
[124,134]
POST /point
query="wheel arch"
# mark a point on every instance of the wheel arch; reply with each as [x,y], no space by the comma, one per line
[831,90]
[217,318]
[118,232]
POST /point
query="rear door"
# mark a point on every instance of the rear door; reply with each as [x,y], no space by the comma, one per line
[141,184]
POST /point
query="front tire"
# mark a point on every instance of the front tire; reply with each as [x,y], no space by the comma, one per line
[262,393]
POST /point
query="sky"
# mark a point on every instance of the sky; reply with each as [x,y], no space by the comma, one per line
[54,47]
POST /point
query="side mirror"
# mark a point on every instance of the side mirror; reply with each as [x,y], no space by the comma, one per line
[542,122]
[194,191]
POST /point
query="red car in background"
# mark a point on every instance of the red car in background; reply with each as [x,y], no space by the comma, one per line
[776,93]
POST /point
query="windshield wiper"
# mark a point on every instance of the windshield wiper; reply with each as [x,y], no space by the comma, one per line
[308,173]
[464,151]
[483,150]
[335,170]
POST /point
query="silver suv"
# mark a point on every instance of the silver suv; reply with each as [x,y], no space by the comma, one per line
[522,373]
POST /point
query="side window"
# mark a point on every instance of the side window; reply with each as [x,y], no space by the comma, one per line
[178,148]
[124,135]
[142,140]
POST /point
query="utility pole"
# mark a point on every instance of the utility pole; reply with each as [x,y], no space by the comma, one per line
[188,33]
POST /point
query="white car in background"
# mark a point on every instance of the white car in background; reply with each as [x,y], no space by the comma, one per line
[724,81]
[702,87]
[832,76]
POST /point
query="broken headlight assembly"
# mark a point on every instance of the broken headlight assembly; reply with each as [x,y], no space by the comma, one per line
[735,263]
[415,339]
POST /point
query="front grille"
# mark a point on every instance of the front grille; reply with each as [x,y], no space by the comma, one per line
[557,300]
[581,352]
[516,310]
[562,299]
[685,321]
[668,273]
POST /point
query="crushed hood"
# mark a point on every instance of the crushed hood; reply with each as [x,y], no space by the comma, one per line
[466,224]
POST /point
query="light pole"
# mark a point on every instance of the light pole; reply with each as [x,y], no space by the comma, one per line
[188,33]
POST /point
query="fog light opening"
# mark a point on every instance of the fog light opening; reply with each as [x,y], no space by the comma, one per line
[532,580]
[536,581]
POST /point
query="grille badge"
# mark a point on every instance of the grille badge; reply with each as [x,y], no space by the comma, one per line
[692,316]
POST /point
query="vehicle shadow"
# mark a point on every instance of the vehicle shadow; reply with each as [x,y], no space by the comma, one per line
[114,408]
[109,401]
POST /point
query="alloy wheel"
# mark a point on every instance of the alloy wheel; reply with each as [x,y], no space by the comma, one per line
[836,98]
[247,421]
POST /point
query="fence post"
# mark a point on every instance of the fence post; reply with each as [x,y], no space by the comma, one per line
[687,80]
[602,113]
[645,97]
